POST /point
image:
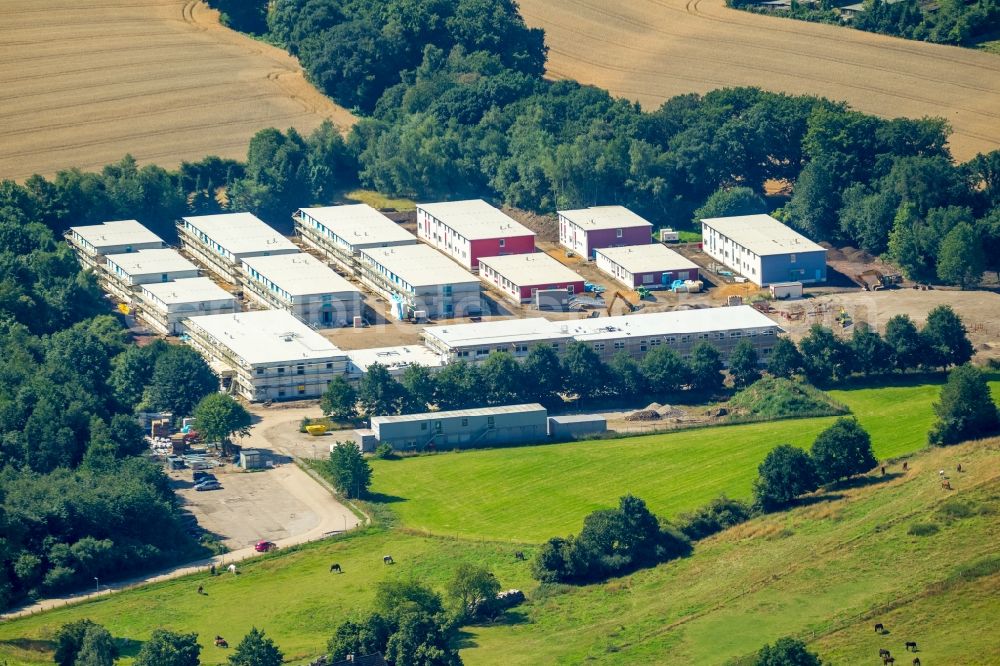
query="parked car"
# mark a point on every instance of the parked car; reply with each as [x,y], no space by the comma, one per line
[265,546]
[203,476]
[209,485]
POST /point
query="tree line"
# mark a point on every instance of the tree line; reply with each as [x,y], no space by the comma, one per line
[541,377]
[946,22]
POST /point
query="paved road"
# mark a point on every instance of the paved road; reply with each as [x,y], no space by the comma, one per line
[326,516]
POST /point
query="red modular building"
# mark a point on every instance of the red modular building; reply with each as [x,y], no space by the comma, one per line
[468,230]
[587,229]
[521,276]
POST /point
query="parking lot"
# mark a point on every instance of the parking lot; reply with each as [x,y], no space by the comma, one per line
[283,505]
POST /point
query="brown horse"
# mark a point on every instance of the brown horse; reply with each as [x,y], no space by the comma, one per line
[220,642]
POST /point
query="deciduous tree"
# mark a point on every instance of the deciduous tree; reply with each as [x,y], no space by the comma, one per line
[786,473]
[966,409]
[842,450]
[352,475]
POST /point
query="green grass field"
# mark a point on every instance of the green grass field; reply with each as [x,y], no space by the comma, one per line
[533,493]
[811,572]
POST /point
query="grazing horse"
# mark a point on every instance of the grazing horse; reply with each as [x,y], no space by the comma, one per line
[888,660]
[883,470]
[882,652]
[916,661]
[911,645]
[879,628]
[519,555]
[232,569]
[906,465]
[335,567]
[387,559]
[221,642]
[959,468]
[946,484]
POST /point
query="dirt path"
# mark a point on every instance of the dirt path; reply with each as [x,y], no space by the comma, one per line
[650,50]
[82,84]
[326,515]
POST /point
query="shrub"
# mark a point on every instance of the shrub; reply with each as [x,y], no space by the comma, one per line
[719,514]
[956,510]
[384,451]
[923,529]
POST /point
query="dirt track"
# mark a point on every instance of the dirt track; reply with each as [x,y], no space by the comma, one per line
[650,50]
[81,84]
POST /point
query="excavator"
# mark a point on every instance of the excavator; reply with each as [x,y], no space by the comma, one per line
[619,296]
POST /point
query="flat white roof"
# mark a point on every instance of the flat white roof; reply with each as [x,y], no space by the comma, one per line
[151,262]
[118,232]
[241,233]
[530,269]
[419,265]
[359,224]
[187,290]
[679,322]
[604,217]
[762,234]
[647,258]
[393,357]
[475,219]
[300,274]
[505,331]
[479,411]
[263,337]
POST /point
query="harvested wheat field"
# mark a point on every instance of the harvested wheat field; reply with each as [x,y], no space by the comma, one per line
[650,50]
[81,84]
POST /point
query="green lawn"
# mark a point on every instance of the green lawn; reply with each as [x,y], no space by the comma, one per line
[379,200]
[533,493]
[292,596]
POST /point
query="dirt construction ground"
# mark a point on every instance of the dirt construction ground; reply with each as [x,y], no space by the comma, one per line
[651,50]
[979,310]
[81,84]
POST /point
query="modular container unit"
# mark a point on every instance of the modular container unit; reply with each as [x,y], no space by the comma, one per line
[394,359]
[463,429]
[653,265]
[468,230]
[93,242]
[221,242]
[304,286]
[123,273]
[763,250]
[341,232]
[474,342]
[164,305]
[520,277]
[576,426]
[419,279]
[585,230]
[266,354]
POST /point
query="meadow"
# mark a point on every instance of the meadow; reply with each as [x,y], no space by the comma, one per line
[533,493]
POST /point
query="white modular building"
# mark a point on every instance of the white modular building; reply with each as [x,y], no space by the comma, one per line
[93,241]
[421,282]
[763,250]
[303,285]
[221,242]
[468,230]
[122,273]
[266,354]
[474,342]
[652,265]
[584,230]
[341,232]
[163,305]
[395,359]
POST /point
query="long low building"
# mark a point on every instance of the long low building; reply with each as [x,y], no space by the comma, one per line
[304,286]
[266,354]
[652,265]
[476,341]
[635,334]
[421,282]
[93,242]
[468,230]
[395,359]
[463,429]
[122,273]
[221,242]
[763,250]
[522,276]
[341,232]
[164,305]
